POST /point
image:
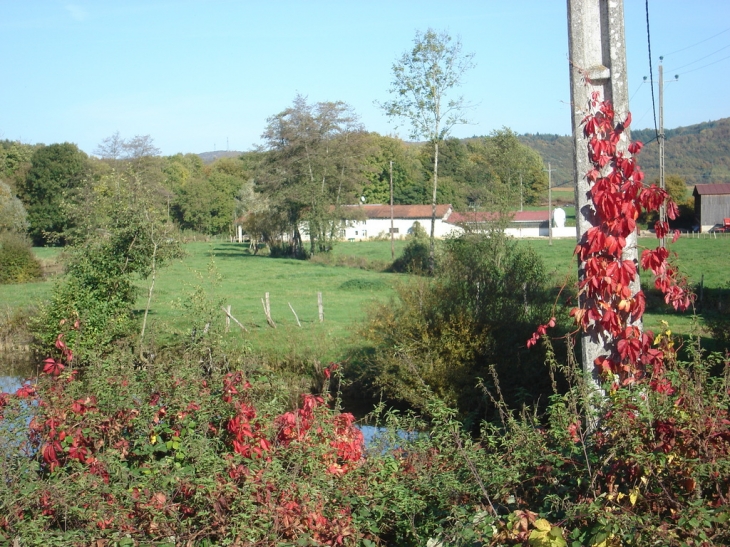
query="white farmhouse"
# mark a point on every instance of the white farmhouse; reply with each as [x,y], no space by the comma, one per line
[376,221]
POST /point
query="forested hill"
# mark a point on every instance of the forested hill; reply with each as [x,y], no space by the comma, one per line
[698,153]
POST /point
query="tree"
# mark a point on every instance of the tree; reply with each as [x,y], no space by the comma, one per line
[207,204]
[409,176]
[111,148]
[503,166]
[15,161]
[55,175]
[121,235]
[314,164]
[455,171]
[422,79]
[13,217]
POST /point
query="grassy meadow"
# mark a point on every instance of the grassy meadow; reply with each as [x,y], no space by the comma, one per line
[350,279]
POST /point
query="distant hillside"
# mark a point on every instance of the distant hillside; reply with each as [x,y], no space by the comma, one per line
[210,157]
[698,153]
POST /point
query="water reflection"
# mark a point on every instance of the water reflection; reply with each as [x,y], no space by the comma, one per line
[15,368]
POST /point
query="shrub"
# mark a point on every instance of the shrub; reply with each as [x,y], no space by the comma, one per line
[117,456]
[17,262]
[362,285]
[416,253]
[478,310]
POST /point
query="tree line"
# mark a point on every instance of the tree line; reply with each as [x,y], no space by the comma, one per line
[316,158]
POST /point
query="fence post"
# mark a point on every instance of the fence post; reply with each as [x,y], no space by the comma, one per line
[267,311]
[321,307]
[295,314]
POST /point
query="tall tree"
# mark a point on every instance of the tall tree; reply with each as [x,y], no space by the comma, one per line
[55,175]
[315,164]
[508,170]
[422,79]
[409,176]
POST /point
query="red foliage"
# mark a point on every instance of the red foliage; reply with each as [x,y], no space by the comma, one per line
[609,309]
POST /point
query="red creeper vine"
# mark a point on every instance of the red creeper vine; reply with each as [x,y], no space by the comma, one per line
[608,308]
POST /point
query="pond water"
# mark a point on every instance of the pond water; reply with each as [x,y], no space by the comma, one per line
[15,368]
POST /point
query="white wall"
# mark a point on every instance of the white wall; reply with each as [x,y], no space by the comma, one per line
[380,227]
[360,230]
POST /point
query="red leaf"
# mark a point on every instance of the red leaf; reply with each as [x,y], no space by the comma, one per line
[52,367]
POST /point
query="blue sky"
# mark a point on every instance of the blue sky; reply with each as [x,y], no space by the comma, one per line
[202,74]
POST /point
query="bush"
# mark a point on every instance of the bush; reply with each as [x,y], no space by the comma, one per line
[416,253]
[113,455]
[479,310]
[17,262]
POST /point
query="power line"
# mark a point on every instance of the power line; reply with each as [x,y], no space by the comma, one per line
[638,89]
[698,43]
[700,59]
[703,66]
[651,70]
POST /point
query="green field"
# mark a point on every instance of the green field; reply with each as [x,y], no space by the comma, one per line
[244,279]
[241,280]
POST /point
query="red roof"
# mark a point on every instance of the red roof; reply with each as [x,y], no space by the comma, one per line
[712,189]
[403,211]
[483,216]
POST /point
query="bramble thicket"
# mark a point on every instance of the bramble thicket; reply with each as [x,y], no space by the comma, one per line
[107,448]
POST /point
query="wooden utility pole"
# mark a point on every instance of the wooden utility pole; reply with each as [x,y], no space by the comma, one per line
[597,51]
[550,204]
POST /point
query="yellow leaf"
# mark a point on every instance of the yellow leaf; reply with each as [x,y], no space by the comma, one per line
[153,438]
[633,496]
[542,525]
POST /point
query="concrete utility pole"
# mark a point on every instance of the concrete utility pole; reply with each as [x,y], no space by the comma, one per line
[662,183]
[597,50]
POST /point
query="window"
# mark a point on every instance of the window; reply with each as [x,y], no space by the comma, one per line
[393,230]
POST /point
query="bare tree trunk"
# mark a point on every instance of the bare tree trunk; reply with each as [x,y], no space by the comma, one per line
[149,292]
[431,256]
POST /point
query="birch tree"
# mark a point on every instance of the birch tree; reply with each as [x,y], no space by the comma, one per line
[423,79]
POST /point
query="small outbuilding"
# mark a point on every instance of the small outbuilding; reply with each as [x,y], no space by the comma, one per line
[712,205]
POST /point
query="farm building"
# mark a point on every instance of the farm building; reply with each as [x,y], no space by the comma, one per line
[712,205]
[521,223]
[373,221]
[376,221]
[448,222]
